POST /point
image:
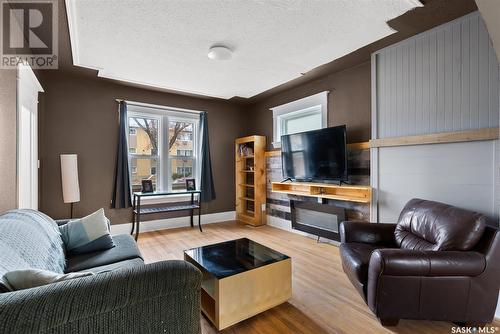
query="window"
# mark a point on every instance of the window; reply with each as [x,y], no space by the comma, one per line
[185,170]
[163,141]
[134,170]
[185,153]
[309,113]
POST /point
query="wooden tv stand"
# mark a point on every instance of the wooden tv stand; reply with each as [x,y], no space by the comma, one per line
[359,194]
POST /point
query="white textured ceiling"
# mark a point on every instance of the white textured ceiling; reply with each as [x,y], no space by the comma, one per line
[164,43]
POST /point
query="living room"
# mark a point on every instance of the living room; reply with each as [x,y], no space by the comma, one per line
[281,166]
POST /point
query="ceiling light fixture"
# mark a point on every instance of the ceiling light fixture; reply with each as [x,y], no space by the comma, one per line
[220,52]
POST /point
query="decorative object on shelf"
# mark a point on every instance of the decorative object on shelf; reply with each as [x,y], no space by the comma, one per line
[251,180]
[190,184]
[69,179]
[245,150]
[147,186]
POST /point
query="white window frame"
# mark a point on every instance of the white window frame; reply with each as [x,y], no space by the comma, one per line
[163,174]
[313,104]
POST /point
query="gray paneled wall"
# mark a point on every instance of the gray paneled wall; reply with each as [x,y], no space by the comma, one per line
[460,174]
[445,79]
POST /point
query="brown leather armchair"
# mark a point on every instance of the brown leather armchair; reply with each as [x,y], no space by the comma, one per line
[438,262]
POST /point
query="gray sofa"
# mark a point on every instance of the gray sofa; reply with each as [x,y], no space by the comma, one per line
[125,295]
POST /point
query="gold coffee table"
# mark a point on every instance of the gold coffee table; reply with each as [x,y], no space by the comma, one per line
[241,278]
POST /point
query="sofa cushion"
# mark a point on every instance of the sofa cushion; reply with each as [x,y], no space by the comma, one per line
[428,225]
[30,239]
[125,249]
[135,262]
[87,234]
[355,260]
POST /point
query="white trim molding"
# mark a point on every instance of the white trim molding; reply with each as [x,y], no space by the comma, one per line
[162,224]
[310,104]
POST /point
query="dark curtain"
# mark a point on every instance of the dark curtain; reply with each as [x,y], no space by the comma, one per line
[207,181]
[122,188]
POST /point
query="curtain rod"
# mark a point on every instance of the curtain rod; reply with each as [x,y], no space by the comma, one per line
[157,106]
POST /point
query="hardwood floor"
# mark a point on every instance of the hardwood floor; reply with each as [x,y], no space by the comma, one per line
[323,300]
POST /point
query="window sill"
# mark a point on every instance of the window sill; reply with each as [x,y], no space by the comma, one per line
[166,199]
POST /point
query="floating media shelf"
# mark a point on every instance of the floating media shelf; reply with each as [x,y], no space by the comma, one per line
[359,194]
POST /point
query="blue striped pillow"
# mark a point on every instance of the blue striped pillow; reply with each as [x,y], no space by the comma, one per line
[87,234]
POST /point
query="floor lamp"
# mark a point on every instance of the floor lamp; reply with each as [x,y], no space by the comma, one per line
[69,178]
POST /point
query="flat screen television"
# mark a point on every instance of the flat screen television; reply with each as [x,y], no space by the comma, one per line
[318,155]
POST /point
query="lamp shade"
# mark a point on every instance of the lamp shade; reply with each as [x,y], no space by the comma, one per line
[69,177]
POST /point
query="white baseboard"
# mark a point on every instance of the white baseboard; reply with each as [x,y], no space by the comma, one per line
[161,224]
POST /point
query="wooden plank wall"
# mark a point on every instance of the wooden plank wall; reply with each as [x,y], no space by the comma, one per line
[445,79]
[278,205]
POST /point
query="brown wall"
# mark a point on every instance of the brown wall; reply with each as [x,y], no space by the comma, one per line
[8,139]
[349,102]
[80,115]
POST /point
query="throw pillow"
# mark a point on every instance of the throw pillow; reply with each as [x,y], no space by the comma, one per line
[30,278]
[87,234]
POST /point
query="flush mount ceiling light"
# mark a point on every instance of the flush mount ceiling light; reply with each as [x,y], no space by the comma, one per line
[220,52]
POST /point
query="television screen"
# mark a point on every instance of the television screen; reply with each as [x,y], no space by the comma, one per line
[318,155]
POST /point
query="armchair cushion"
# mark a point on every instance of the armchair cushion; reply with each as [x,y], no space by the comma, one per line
[406,262]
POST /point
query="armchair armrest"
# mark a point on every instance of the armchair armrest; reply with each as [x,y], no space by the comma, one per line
[406,262]
[131,299]
[367,233]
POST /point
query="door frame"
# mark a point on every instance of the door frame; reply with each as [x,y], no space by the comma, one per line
[27,91]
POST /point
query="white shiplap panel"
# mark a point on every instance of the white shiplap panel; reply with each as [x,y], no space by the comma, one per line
[457,64]
[484,101]
[448,80]
[494,87]
[432,83]
[465,71]
[474,73]
[440,80]
[445,79]
[426,58]
[460,174]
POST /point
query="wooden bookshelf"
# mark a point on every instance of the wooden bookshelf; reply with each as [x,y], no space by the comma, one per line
[359,194]
[251,180]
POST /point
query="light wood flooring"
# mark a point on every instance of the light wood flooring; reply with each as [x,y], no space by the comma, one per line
[323,300]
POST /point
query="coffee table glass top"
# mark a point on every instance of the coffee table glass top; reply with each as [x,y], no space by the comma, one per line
[233,257]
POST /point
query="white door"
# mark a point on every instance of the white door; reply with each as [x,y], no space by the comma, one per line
[27,137]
